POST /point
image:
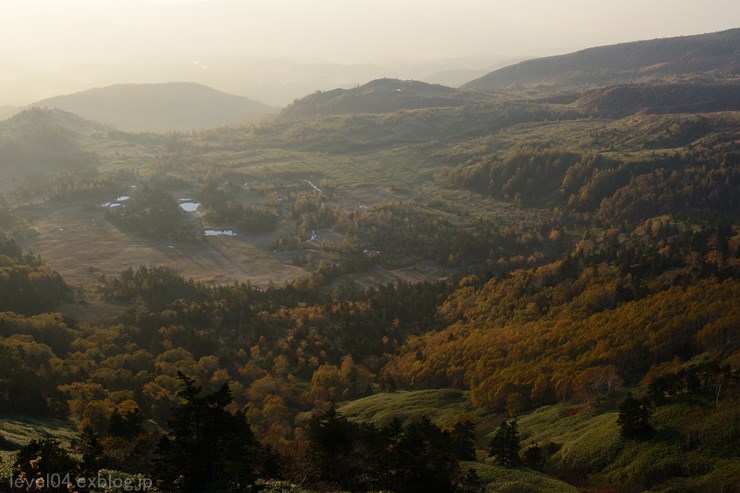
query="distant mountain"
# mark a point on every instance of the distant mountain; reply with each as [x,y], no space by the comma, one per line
[454,77]
[173,106]
[45,140]
[21,85]
[716,54]
[457,76]
[380,96]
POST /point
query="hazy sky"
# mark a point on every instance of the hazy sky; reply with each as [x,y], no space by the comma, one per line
[49,33]
[50,47]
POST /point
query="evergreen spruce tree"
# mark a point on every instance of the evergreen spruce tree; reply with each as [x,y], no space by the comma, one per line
[127,425]
[534,458]
[331,443]
[463,440]
[634,418]
[505,444]
[208,448]
[92,452]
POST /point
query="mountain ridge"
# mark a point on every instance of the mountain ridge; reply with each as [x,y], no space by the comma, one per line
[381,96]
[162,107]
[712,54]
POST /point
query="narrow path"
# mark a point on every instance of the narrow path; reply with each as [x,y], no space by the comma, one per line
[313,186]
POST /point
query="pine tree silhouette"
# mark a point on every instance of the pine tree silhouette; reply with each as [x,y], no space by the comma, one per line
[208,448]
[634,418]
[505,444]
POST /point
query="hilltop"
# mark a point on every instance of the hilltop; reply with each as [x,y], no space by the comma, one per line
[173,106]
[380,96]
[711,55]
[48,140]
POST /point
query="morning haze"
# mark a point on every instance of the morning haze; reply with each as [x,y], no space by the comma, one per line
[279,50]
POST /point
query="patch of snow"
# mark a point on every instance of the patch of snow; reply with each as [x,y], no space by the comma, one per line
[215,232]
[190,206]
[115,203]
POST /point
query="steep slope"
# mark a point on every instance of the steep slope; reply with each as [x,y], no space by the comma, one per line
[710,54]
[175,106]
[380,96]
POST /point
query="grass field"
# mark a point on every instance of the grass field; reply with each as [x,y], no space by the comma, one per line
[583,443]
[17,431]
[81,245]
[583,438]
[498,479]
[443,407]
[21,430]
